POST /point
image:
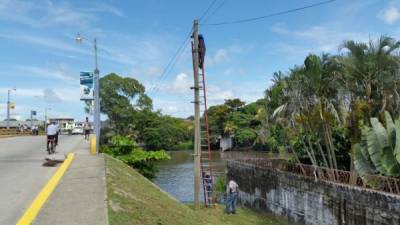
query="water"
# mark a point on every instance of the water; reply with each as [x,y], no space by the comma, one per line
[176,175]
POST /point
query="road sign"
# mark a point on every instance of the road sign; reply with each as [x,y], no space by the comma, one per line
[33,113]
[86,85]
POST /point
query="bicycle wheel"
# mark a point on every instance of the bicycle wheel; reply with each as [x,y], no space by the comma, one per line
[52,146]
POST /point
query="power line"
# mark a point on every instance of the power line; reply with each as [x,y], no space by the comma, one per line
[269,15]
[215,10]
[208,9]
[178,53]
[172,61]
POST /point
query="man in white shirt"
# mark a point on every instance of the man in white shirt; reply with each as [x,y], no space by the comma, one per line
[52,130]
[232,195]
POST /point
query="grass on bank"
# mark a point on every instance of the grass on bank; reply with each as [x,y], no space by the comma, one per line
[132,199]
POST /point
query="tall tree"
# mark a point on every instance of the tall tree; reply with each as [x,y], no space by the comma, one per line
[121,99]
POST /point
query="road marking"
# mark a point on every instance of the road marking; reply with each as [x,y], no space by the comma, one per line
[33,210]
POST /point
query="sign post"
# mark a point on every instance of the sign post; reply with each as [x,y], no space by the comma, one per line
[86,86]
[33,113]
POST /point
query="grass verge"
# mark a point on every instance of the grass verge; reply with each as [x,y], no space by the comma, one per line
[132,199]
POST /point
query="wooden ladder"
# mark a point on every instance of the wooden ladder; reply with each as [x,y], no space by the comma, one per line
[208,179]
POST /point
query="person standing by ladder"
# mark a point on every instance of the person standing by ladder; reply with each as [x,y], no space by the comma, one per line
[232,193]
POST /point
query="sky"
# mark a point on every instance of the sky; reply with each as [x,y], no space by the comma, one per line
[137,39]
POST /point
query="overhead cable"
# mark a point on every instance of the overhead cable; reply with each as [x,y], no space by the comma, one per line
[269,15]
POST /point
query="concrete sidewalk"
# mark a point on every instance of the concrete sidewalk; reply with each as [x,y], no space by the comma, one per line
[80,196]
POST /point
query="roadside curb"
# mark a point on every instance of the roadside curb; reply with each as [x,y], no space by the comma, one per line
[33,210]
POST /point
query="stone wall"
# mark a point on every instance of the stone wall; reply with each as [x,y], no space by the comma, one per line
[307,201]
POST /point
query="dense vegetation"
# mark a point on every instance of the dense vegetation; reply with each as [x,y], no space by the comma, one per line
[319,111]
[129,112]
[131,120]
[320,108]
[244,123]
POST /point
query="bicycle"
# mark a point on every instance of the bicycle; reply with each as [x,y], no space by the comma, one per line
[52,142]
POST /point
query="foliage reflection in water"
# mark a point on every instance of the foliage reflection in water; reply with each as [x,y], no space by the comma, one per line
[175,176]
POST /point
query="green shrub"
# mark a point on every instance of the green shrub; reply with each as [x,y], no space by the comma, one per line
[220,187]
[245,137]
[183,145]
[126,150]
[272,144]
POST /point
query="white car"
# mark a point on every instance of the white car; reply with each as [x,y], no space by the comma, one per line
[77,130]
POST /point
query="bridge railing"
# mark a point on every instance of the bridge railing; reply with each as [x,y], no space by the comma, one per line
[376,182]
[14,132]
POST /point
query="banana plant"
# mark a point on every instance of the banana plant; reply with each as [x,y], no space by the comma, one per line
[379,149]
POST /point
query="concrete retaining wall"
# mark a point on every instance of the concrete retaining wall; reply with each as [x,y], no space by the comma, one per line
[311,202]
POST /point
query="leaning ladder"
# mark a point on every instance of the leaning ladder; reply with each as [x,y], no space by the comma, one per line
[208,180]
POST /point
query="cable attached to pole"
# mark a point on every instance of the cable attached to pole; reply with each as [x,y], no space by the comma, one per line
[269,15]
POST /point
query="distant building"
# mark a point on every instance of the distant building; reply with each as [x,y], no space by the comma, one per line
[225,143]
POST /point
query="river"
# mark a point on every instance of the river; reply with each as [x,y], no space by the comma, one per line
[176,175]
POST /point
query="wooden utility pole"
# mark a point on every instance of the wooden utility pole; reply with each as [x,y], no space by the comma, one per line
[197,146]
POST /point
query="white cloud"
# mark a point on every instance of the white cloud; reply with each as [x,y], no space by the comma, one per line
[223,54]
[152,71]
[217,95]
[105,8]
[23,92]
[44,41]
[46,13]
[314,39]
[50,96]
[234,70]
[58,72]
[390,15]
[220,55]
[180,85]
[53,94]
[172,107]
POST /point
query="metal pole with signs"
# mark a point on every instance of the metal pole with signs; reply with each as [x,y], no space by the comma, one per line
[95,93]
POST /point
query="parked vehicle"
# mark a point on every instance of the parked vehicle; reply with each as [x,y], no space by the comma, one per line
[78,129]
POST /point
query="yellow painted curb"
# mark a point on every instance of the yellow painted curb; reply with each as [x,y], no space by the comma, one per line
[93,145]
[33,210]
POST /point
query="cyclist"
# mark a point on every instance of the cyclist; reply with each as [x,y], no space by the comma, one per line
[52,130]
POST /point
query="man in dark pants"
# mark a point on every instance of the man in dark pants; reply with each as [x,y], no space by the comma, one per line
[86,128]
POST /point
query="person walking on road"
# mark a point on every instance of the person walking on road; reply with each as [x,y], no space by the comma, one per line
[232,193]
[86,128]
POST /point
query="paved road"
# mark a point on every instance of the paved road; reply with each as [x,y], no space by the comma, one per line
[22,175]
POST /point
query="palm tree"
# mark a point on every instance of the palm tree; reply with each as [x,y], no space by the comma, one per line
[371,76]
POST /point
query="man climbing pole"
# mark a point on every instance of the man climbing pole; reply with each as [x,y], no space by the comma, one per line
[202,51]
